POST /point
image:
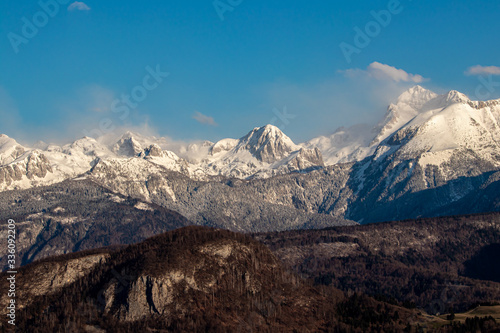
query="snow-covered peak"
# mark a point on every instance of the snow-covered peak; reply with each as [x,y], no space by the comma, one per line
[9,149]
[454,96]
[415,97]
[127,146]
[223,145]
[407,106]
[265,151]
[6,141]
[85,146]
[42,145]
[412,103]
[267,143]
[131,143]
[442,101]
[164,158]
[155,150]
[433,136]
[412,108]
[128,135]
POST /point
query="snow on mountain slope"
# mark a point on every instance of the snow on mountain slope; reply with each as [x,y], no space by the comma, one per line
[451,149]
[421,126]
[30,169]
[359,141]
[414,107]
[264,152]
[455,126]
[344,145]
[9,149]
[165,158]
[133,175]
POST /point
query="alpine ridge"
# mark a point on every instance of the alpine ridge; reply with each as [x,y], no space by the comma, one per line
[430,155]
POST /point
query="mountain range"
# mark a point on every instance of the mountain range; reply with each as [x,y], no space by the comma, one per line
[424,141]
[420,125]
[91,218]
[431,155]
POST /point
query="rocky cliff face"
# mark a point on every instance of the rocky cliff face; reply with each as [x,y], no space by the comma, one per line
[53,276]
[200,270]
[30,167]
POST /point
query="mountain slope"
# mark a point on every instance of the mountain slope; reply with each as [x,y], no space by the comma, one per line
[433,264]
[452,150]
[190,279]
[79,215]
[263,152]
[10,150]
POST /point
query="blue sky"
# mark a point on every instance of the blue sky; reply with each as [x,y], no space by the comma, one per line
[233,65]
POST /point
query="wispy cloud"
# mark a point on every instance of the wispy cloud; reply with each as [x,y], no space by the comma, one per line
[383,72]
[358,95]
[78,5]
[94,98]
[483,70]
[204,119]
[11,119]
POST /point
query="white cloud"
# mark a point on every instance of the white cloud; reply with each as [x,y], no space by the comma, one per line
[483,70]
[77,5]
[203,119]
[383,72]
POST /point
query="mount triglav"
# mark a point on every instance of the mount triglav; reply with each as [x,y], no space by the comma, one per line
[430,155]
